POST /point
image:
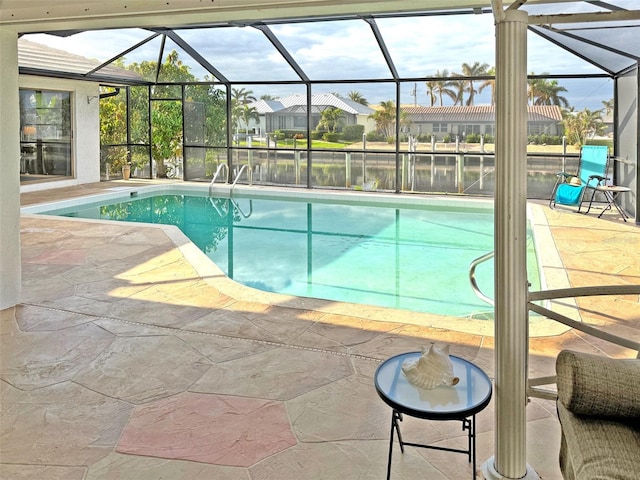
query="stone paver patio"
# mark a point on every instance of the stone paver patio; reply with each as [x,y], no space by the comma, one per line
[130,357]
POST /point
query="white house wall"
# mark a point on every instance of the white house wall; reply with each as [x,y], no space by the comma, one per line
[10,269]
[368,123]
[86,130]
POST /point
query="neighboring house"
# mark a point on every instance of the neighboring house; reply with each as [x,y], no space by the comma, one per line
[480,119]
[290,113]
[608,125]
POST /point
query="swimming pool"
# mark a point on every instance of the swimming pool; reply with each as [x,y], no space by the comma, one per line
[412,254]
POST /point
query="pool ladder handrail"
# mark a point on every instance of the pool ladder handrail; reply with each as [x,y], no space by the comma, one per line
[223,212]
[239,209]
[215,175]
[249,176]
[472,278]
[235,205]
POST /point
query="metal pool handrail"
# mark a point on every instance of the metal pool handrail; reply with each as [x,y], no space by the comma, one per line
[472,277]
[215,176]
[242,212]
[534,384]
[249,176]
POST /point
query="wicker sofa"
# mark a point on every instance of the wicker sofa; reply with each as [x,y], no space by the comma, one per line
[599,411]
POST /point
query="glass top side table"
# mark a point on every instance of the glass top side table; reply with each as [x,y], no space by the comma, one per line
[459,402]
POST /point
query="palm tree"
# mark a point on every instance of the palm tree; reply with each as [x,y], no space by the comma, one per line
[608,106]
[533,89]
[266,96]
[541,91]
[579,126]
[330,118]
[442,86]
[239,98]
[358,97]
[474,70]
[460,86]
[385,118]
[490,83]
[431,91]
[549,94]
[247,114]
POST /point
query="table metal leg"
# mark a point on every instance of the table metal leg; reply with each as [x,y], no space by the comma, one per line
[473,448]
[468,424]
[611,199]
[395,418]
[393,426]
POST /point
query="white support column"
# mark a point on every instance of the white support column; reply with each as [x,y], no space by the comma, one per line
[511,327]
[10,269]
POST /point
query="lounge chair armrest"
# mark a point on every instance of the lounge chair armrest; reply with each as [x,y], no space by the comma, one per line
[600,178]
[596,385]
[564,174]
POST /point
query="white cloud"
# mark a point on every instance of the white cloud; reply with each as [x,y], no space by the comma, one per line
[419,47]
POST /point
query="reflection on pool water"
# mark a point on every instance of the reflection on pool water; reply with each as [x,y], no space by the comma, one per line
[413,257]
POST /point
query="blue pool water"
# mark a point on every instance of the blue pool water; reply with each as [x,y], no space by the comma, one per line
[409,257]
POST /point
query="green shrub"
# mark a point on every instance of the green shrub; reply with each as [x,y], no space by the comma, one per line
[375,137]
[316,135]
[472,138]
[424,138]
[544,139]
[446,138]
[352,133]
[601,141]
[278,135]
[331,137]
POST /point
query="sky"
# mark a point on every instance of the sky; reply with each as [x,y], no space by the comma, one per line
[418,46]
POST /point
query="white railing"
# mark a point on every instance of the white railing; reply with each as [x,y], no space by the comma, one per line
[534,384]
[534,388]
[472,278]
[222,166]
[249,176]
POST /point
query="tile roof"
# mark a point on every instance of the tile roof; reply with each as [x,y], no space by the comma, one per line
[477,113]
[33,55]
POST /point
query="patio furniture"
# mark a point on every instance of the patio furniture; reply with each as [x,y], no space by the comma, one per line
[610,193]
[569,188]
[599,411]
[458,402]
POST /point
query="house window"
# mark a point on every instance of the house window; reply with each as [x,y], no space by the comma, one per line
[440,127]
[469,129]
[541,128]
[45,134]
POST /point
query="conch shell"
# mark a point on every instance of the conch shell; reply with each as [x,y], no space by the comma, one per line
[432,369]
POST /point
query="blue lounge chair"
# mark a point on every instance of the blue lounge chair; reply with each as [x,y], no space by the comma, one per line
[592,170]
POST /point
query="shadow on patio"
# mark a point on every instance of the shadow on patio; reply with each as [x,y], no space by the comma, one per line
[122,362]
